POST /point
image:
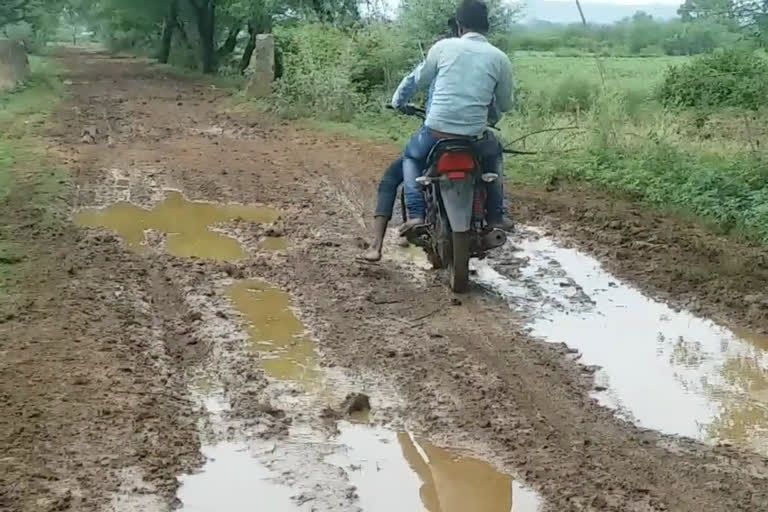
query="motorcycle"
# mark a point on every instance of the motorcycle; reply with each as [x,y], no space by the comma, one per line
[455,228]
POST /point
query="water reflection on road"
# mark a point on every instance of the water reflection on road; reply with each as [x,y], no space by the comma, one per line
[666,369]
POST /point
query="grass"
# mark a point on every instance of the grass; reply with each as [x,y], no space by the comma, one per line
[620,72]
[28,182]
[707,165]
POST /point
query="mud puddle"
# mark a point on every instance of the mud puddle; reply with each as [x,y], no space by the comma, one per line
[396,471]
[357,466]
[188,225]
[363,468]
[276,333]
[665,369]
[345,465]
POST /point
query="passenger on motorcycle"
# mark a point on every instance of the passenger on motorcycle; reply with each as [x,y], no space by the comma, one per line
[489,149]
[468,73]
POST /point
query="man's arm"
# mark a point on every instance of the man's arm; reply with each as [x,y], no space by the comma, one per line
[494,115]
[405,90]
[419,78]
[505,87]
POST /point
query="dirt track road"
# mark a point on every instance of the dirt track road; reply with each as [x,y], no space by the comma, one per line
[97,384]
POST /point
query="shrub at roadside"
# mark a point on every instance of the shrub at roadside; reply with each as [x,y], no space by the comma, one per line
[727,78]
[318,63]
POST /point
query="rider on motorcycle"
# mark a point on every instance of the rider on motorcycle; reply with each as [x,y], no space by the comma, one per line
[468,73]
[489,149]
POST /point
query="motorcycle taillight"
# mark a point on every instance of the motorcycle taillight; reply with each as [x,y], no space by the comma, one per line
[455,161]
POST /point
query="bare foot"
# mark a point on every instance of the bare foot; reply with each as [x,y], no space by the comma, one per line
[372,255]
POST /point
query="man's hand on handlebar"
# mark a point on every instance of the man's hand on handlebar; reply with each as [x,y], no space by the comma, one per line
[409,110]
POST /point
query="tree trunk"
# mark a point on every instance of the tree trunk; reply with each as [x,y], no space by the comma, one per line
[248,52]
[205,14]
[183,34]
[171,22]
[229,44]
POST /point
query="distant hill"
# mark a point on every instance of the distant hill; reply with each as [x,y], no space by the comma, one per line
[557,11]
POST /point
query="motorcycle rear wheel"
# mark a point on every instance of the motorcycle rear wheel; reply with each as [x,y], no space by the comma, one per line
[458,268]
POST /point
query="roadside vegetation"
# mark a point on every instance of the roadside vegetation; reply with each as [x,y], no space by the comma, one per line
[31,189]
[671,113]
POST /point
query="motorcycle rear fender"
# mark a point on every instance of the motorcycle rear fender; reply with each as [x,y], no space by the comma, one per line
[457,197]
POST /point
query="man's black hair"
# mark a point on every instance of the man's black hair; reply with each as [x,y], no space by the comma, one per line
[453,27]
[472,16]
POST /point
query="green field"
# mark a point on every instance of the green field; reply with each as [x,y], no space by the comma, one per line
[534,71]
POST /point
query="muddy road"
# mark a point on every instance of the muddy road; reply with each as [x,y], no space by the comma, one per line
[195,331]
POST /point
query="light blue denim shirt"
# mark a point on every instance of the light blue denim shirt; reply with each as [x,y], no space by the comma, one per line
[458,104]
[407,88]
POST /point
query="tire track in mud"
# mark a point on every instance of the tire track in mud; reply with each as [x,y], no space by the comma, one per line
[470,376]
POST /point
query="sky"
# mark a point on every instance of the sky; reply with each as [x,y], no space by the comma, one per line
[564,11]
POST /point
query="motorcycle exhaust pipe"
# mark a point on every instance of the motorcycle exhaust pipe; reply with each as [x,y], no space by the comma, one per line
[493,239]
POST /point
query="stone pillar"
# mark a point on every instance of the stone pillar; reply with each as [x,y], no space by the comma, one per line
[14,65]
[262,67]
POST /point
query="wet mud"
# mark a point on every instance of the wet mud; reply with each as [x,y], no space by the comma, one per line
[225,370]
[666,255]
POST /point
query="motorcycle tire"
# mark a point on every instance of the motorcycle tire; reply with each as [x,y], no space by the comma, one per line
[458,269]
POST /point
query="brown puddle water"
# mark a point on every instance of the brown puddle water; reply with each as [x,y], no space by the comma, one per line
[713,380]
[187,224]
[276,332]
[395,471]
[390,471]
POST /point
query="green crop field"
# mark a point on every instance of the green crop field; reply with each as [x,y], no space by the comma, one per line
[623,72]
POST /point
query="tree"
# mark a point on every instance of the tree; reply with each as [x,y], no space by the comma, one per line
[15,11]
[170,24]
[205,19]
[73,19]
[32,21]
[700,9]
[425,20]
[752,15]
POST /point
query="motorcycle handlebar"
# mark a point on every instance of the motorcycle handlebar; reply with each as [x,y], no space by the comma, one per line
[412,110]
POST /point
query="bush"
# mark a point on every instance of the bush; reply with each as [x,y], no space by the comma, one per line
[726,78]
[318,63]
[573,94]
[382,57]
[34,40]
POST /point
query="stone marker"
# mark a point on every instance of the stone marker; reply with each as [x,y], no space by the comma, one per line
[262,67]
[14,64]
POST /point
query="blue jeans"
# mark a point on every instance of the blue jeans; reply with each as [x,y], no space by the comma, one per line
[387,193]
[415,160]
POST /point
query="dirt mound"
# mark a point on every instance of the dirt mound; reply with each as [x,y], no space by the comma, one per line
[14,65]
